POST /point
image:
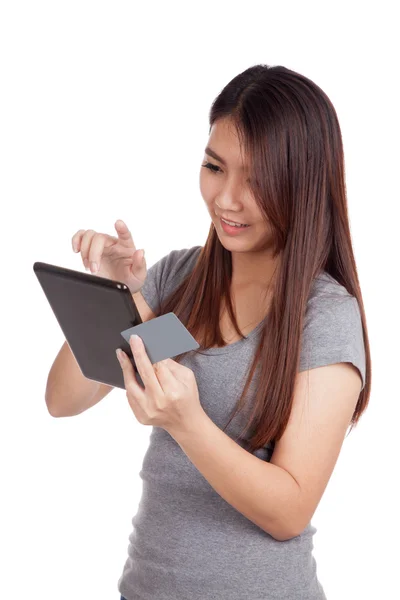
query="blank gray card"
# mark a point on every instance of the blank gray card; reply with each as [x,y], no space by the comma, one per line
[163,337]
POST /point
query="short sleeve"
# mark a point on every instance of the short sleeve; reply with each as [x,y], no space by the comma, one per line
[333,333]
[165,274]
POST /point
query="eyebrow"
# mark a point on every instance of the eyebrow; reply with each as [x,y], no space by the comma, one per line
[211,152]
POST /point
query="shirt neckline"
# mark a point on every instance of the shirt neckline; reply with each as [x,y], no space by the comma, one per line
[238,343]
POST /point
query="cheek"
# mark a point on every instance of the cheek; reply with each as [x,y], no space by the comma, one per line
[207,189]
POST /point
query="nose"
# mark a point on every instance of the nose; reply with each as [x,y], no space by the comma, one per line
[229,198]
[226,205]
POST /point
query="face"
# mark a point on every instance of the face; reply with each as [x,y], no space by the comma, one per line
[225,187]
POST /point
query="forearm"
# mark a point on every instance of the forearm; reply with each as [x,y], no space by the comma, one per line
[263,492]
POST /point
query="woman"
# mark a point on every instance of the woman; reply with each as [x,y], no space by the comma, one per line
[284,363]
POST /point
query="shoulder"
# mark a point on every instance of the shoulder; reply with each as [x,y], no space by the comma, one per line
[332,329]
[166,272]
[180,262]
[176,263]
[331,303]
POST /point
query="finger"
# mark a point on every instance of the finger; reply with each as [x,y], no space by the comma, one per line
[76,240]
[85,245]
[177,369]
[144,364]
[96,251]
[139,257]
[131,384]
[168,362]
[124,235]
[165,376]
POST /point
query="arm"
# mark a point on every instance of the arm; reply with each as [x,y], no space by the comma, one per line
[281,496]
[259,490]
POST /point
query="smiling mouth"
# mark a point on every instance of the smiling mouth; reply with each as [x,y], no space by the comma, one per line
[234,224]
[230,221]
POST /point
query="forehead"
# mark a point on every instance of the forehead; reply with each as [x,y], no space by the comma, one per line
[223,145]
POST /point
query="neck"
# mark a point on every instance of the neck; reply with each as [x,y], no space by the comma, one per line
[253,269]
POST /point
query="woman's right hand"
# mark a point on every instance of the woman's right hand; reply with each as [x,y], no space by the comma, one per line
[116,257]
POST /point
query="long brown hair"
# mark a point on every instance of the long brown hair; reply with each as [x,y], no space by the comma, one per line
[290,131]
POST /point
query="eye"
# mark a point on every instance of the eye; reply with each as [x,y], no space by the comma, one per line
[215,169]
[211,167]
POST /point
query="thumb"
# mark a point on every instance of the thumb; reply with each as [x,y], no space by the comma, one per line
[141,259]
[138,267]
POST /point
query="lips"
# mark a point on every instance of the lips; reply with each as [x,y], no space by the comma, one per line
[231,220]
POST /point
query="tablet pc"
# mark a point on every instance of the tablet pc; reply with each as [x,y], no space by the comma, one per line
[98,315]
[91,311]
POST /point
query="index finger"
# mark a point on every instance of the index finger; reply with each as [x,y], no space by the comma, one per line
[124,235]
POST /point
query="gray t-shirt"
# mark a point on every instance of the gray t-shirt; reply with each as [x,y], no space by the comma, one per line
[187,542]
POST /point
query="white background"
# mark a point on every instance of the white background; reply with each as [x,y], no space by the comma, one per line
[104,115]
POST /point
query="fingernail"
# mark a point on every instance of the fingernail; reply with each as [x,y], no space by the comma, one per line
[134,338]
[94,266]
[119,354]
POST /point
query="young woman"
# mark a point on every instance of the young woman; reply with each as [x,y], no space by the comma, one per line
[247,429]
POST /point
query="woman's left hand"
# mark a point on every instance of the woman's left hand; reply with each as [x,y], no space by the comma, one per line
[170,398]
